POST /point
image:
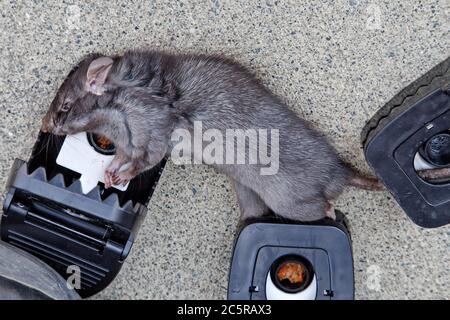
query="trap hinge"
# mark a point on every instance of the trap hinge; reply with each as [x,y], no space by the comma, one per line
[253,289]
[328,293]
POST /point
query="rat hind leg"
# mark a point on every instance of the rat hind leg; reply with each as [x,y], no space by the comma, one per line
[290,207]
[306,210]
[250,204]
[330,212]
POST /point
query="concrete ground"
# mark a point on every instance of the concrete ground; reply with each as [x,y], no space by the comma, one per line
[334,62]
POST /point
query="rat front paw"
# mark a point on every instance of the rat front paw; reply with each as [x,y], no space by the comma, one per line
[121,178]
[107,180]
[109,177]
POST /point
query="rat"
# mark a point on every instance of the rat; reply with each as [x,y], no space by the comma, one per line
[139,98]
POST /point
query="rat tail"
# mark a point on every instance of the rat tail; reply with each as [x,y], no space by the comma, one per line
[358,180]
[366,183]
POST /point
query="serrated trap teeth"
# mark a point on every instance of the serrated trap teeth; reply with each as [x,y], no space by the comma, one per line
[39,174]
[58,180]
[22,169]
[128,205]
[76,187]
[94,194]
[112,200]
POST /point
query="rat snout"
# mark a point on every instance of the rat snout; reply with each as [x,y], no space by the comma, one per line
[47,124]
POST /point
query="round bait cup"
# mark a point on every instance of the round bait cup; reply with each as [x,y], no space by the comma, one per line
[437,150]
[291,278]
[101,144]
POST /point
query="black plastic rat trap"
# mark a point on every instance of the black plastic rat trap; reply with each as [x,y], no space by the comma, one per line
[275,260]
[407,143]
[53,213]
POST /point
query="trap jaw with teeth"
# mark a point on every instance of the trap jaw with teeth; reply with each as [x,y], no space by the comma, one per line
[407,143]
[46,213]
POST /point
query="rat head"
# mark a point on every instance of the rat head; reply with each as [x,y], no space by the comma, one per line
[77,94]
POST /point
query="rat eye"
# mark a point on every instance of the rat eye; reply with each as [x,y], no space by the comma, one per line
[65,107]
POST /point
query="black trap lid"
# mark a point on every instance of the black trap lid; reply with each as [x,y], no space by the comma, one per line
[323,248]
[407,143]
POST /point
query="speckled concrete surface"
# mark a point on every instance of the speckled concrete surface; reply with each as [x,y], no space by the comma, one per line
[334,62]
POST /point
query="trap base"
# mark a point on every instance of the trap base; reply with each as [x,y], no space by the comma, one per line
[46,214]
[325,245]
[395,136]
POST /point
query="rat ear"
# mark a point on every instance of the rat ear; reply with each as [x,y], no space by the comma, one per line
[96,75]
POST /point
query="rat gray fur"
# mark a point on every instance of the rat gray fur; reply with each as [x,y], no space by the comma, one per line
[138,99]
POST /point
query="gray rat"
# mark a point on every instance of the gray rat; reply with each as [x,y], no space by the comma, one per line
[138,99]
